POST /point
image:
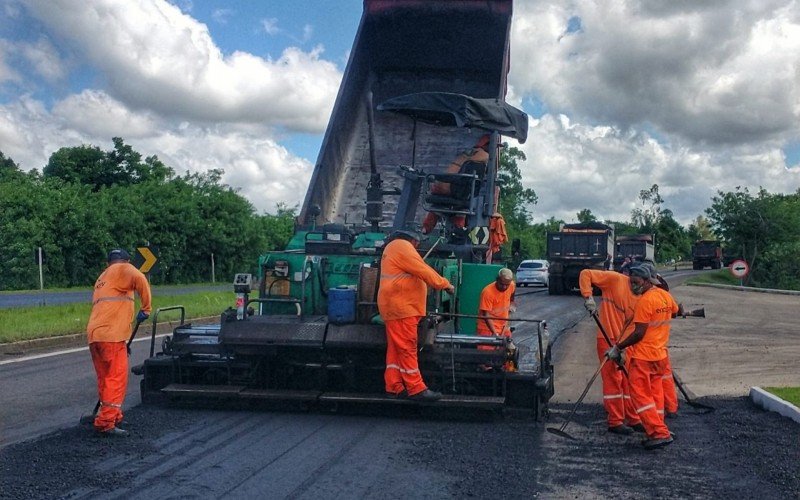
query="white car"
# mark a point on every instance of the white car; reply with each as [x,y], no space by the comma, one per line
[533,272]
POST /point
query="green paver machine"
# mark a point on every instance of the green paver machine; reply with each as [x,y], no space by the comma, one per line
[310,331]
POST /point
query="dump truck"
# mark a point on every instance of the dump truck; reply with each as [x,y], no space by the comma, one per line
[576,247]
[706,253]
[636,247]
[418,89]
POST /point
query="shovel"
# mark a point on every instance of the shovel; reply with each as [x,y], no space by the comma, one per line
[88,419]
[690,401]
[560,431]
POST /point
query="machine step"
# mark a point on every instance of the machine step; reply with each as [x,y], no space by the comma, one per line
[448,400]
[275,395]
[203,390]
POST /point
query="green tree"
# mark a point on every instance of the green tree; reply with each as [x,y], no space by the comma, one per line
[586,215]
[513,205]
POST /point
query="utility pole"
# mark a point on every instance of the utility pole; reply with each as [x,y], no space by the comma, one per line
[41,274]
[213,277]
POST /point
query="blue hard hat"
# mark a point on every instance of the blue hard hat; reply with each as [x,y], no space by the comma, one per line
[118,254]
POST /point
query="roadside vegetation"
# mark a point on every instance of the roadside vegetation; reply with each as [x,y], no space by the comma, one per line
[25,323]
[719,277]
[790,394]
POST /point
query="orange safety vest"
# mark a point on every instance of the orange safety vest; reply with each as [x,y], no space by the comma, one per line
[655,308]
[112,302]
[402,292]
[616,304]
[496,304]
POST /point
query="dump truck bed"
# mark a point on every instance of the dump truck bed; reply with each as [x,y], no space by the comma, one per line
[405,47]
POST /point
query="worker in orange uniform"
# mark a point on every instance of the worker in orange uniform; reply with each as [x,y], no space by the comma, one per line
[478,154]
[496,301]
[109,329]
[647,353]
[401,302]
[616,315]
[667,380]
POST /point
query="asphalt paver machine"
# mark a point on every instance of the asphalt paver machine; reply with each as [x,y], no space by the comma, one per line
[424,82]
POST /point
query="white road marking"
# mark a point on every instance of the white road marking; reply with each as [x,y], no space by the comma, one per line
[65,351]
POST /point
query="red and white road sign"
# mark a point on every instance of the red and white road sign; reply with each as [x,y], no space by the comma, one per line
[739,268]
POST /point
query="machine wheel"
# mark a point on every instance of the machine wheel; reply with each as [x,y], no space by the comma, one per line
[553,287]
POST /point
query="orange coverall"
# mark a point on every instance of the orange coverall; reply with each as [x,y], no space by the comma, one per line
[616,315]
[478,155]
[495,303]
[648,359]
[108,331]
[402,298]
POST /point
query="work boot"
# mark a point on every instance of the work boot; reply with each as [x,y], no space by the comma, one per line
[87,420]
[426,395]
[114,432]
[397,395]
[621,429]
[638,427]
[652,444]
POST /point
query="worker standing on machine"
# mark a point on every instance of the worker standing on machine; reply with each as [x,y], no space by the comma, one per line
[616,315]
[109,329]
[648,353]
[497,301]
[402,304]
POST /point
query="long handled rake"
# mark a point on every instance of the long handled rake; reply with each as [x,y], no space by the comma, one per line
[560,431]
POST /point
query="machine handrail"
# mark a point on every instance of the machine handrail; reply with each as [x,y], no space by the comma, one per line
[296,302]
[155,323]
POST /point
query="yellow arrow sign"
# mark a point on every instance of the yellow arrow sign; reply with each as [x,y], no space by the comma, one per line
[149,259]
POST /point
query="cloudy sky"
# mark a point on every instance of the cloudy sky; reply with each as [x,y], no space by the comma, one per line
[692,96]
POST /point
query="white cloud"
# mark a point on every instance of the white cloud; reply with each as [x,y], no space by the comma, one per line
[222,15]
[154,57]
[44,58]
[263,170]
[6,72]
[713,73]
[270,26]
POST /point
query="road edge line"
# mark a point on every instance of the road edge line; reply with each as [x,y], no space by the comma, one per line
[746,288]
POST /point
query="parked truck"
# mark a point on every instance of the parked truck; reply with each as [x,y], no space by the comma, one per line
[707,253]
[636,247]
[577,247]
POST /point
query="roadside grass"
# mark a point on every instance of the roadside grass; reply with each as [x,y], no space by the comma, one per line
[88,288]
[790,394]
[720,277]
[26,323]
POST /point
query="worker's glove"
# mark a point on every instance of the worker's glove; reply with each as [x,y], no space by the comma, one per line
[590,305]
[141,316]
[512,308]
[615,355]
[450,289]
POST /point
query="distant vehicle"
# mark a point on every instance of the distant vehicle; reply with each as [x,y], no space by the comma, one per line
[637,247]
[574,248]
[533,272]
[706,253]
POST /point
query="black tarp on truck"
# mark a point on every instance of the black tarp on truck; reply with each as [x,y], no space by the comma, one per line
[707,253]
[575,248]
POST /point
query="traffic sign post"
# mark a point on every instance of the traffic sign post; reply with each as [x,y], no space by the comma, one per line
[145,259]
[739,269]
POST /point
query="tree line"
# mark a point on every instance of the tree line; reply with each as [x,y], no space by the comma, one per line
[761,228]
[87,201]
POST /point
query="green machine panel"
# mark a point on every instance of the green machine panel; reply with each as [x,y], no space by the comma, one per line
[474,277]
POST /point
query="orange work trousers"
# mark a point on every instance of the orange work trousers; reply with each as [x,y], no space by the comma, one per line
[110,361]
[648,395]
[402,367]
[670,393]
[616,393]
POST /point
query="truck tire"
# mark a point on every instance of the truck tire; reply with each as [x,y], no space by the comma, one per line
[554,286]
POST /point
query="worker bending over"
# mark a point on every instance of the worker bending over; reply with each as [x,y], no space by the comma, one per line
[109,329]
[617,303]
[496,301]
[402,304]
[647,351]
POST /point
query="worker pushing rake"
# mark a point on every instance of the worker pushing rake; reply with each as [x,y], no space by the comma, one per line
[635,315]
